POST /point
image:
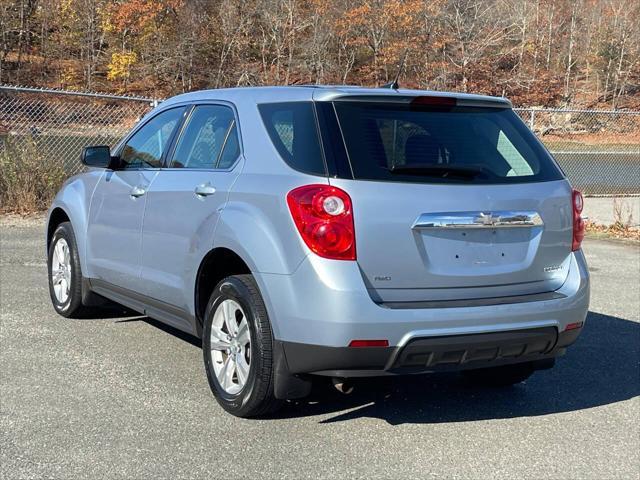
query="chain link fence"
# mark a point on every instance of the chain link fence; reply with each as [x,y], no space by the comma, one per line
[60,123]
[598,149]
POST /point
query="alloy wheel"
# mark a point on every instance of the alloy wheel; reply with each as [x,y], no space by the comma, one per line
[61,270]
[230,346]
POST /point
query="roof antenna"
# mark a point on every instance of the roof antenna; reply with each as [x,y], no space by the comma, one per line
[394,85]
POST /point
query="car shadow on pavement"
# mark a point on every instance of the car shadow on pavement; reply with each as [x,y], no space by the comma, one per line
[109,312]
[602,367]
[187,337]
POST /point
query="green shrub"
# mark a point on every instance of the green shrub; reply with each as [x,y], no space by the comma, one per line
[28,179]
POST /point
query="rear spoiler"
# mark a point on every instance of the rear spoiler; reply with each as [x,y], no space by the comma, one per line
[426,99]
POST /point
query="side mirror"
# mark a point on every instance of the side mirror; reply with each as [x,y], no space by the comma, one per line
[99,156]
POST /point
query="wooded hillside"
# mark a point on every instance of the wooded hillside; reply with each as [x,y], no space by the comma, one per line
[537,52]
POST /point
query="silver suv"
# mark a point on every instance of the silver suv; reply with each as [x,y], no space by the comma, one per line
[329,231]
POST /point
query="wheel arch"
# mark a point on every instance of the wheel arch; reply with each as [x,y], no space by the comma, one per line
[57,216]
[60,213]
[217,264]
[72,204]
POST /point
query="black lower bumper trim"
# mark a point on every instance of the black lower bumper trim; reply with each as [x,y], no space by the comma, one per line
[306,358]
[430,354]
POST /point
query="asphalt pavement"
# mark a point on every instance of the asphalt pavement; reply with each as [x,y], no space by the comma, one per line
[128,398]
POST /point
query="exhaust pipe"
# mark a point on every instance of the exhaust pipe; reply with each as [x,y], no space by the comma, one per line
[343,385]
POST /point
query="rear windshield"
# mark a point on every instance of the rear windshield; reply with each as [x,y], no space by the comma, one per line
[451,144]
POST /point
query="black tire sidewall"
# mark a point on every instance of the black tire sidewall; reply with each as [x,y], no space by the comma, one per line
[74,302]
[234,289]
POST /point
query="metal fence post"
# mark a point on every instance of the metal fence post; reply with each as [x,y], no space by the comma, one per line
[532,119]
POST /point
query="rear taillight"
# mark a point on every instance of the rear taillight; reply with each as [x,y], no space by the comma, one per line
[578,222]
[324,217]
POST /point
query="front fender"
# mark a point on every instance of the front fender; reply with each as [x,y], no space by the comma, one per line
[74,199]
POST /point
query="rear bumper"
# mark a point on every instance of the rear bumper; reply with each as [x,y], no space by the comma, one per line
[430,354]
[326,303]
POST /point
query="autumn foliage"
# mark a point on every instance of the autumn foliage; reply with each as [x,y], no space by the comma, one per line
[537,52]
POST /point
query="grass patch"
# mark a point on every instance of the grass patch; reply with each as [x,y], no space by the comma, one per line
[616,231]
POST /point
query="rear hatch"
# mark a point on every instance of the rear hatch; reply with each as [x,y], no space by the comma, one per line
[450,202]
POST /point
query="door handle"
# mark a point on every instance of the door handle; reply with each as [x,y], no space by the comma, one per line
[138,191]
[204,190]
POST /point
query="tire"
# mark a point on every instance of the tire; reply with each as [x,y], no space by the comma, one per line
[240,374]
[66,289]
[503,376]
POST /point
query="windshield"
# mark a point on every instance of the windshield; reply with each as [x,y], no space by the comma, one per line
[451,144]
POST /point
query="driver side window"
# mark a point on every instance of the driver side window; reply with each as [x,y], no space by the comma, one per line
[144,149]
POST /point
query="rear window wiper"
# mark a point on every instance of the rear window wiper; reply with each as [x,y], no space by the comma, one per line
[439,170]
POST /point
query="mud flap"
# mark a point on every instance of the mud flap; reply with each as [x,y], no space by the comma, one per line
[287,386]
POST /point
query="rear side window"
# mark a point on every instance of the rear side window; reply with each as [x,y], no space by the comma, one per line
[292,128]
[209,140]
[455,144]
[231,149]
